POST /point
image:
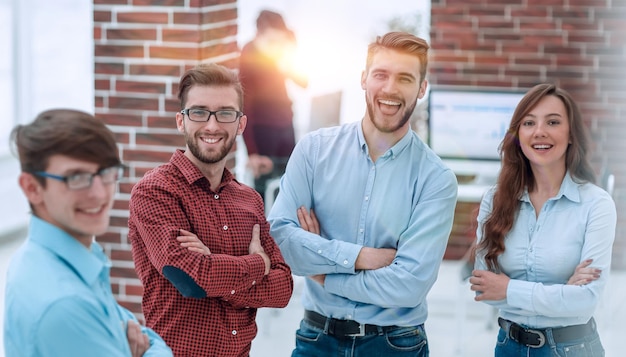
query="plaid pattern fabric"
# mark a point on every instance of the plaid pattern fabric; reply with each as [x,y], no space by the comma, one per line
[177,196]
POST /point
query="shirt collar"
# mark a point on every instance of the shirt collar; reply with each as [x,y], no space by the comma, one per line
[87,263]
[569,190]
[192,173]
[394,151]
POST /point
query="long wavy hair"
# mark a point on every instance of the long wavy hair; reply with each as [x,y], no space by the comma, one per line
[516,174]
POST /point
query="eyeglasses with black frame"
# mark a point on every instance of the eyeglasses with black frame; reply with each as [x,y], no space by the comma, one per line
[83,180]
[203,115]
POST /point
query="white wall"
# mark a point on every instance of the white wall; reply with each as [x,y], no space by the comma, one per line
[46,62]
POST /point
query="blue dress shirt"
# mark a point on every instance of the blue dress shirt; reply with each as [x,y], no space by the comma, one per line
[405,200]
[543,251]
[59,301]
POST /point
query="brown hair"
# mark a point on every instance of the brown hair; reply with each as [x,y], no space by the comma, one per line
[516,175]
[209,74]
[67,132]
[403,42]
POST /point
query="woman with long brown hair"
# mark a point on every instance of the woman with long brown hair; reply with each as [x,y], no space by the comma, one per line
[545,233]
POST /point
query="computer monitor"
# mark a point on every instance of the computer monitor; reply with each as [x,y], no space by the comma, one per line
[466,126]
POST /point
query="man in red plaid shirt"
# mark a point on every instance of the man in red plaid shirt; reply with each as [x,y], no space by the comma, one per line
[200,240]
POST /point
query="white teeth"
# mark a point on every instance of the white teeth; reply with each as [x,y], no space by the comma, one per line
[542,146]
[210,141]
[388,102]
[92,210]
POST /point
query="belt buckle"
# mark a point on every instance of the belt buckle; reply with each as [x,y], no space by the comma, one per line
[540,336]
[361,332]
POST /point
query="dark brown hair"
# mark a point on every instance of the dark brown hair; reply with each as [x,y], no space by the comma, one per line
[403,42]
[516,175]
[209,74]
[67,132]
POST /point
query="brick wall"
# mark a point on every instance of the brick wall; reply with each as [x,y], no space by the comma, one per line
[577,44]
[142,48]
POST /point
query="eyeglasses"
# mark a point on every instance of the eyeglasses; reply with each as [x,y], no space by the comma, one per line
[222,116]
[84,179]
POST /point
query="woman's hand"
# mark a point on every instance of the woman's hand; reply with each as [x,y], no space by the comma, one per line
[583,274]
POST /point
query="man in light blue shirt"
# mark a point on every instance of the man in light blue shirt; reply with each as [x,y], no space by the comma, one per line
[58,296]
[364,211]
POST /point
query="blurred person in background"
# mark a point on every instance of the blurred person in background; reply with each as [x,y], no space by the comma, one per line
[545,233]
[58,293]
[265,64]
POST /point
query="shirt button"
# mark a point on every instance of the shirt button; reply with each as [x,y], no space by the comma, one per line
[225,227]
[345,262]
[367,198]
[216,196]
[319,251]
[232,292]
[253,282]
[234,332]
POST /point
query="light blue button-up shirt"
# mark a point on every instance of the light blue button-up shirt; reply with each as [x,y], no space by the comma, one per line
[543,251]
[405,200]
[58,301]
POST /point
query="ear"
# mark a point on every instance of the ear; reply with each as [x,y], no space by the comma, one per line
[180,122]
[31,187]
[363,79]
[243,121]
[422,90]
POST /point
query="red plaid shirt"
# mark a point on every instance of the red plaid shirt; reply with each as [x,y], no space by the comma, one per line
[203,305]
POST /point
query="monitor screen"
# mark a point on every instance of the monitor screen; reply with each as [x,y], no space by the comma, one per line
[469,124]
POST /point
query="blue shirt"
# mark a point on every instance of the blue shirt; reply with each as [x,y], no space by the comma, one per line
[405,200]
[59,303]
[543,251]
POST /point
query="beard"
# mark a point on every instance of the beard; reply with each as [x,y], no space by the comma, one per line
[389,127]
[209,157]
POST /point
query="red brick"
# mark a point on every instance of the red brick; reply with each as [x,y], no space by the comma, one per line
[120,222]
[143,17]
[133,103]
[139,87]
[111,2]
[158,2]
[121,119]
[181,35]
[108,68]
[168,121]
[132,34]
[121,254]
[120,204]
[109,237]
[119,51]
[102,84]
[147,155]
[102,16]
[179,53]
[176,139]
[155,70]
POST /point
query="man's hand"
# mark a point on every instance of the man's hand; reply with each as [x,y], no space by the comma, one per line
[260,165]
[138,341]
[584,275]
[492,286]
[192,242]
[374,258]
[308,222]
[256,247]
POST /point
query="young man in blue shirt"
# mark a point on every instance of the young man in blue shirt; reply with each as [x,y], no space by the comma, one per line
[364,211]
[58,294]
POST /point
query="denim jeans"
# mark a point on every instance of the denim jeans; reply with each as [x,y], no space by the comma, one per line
[401,341]
[587,346]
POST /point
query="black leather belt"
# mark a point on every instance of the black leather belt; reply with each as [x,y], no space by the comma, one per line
[342,328]
[536,338]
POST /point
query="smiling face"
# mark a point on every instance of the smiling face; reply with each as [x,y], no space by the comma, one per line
[544,134]
[209,142]
[392,87]
[82,213]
